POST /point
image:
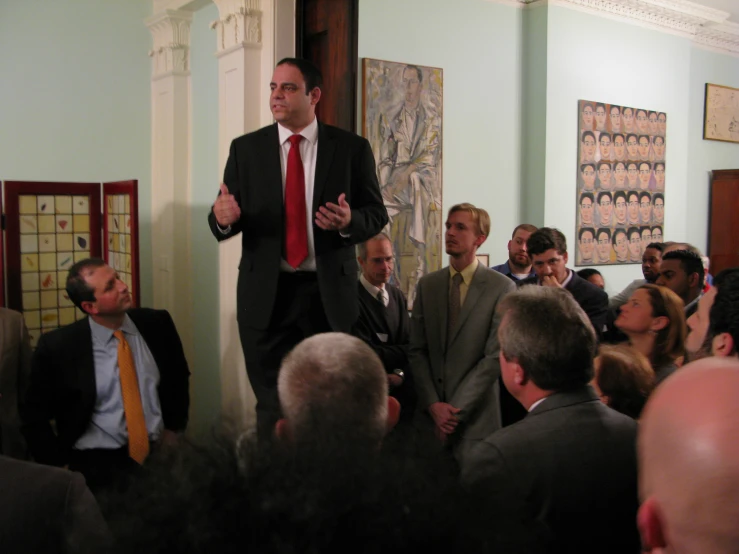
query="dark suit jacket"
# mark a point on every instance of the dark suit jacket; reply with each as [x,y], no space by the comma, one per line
[46,510]
[15,366]
[568,470]
[394,351]
[592,300]
[344,164]
[62,384]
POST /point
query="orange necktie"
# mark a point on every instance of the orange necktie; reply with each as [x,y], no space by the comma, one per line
[138,437]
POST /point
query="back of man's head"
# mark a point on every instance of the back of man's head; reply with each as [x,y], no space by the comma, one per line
[689,460]
[549,335]
[690,262]
[333,390]
[545,239]
[724,315]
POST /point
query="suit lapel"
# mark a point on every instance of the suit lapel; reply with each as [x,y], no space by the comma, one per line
[325,155]
[474,291]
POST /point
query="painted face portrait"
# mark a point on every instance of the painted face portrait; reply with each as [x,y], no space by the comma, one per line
[588,146]
[632,208]
[587,118]
[605,209]
[644,147]
[604,247]
[658,146]
[600,118]
[645,174]
[604,176]
[604,145]
[586,211]
[635,246]
[645,209]
[619,147]
[659,210]
[588,176]
[619,175]
[620,210]
[646,238]
[615,119]
[627,120]
[412,86]
[656,234]
[659,176]
[632,147]
[662,123]
[587,246]
[620,246]
[642,122]
[653,124]
[632,175]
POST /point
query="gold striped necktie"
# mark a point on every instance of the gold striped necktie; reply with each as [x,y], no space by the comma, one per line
[138,437]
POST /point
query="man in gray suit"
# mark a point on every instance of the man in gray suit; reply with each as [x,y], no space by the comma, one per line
[454,345]
[15,366]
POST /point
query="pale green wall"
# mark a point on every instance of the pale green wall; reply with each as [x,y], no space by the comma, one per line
[75,97]
[206,174]
[477,43]
[706,155]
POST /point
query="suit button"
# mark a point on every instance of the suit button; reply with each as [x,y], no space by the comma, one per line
[439,380]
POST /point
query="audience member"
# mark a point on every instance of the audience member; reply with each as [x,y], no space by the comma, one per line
[568,470]
[623,379]
[383,321]
[650,263]
[518,265]
[724,326]
[47,510]
[682,272]
[115,383]
[593,276]
[688,470]
[708,278]
[454,345]
[654,322]
[15,366]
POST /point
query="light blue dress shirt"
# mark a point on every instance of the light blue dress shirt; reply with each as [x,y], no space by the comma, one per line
[107,427]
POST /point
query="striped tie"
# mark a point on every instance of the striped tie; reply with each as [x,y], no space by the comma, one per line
[138,437]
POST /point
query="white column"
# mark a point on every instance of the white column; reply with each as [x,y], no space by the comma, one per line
[170,168]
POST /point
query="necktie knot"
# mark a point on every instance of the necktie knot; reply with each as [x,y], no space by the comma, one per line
[457,279]
[381,297]
[295,140]
[119,335]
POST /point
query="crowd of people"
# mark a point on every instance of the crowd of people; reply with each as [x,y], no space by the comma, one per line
[515,409]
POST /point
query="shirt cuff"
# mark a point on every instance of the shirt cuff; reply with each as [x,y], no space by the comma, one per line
[223,231]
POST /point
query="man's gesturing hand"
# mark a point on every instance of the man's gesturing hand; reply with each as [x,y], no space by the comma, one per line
[334,217]
[445,416]
[226,209]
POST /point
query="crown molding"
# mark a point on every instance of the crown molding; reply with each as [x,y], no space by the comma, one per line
[240,24]
[707,27]
[170,30]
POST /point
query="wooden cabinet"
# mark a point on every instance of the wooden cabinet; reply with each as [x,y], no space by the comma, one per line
[723,246]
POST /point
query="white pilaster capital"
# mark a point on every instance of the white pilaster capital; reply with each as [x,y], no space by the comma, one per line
[240,24]
[170,30]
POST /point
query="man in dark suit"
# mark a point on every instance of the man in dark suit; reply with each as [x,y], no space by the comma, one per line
[454,343]
[568,469]
[47,510]
[15,365]
[115,382]
[301,194]
[383,318]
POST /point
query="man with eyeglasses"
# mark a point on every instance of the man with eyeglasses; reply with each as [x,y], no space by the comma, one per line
[632,208]
[605,208]
[632,146]
[619,175]
[632,175]
[587,172]
[646,237]
[645,207]
[604,145]
[619,147]
[586,238]
[586,208]
[615,120]
[662,123]
[620,245]
[657,233]
[642,122]
[653,124]
[600,117]
[603,248]
[645,175]
[634,244]
[659,175]
[643,147]
[658,208]
[627,120]
[659,148]
[604,176]
[619,199]
[588,147]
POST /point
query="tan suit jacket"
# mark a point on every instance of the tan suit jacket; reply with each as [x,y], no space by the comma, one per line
[463,370]
[15,366]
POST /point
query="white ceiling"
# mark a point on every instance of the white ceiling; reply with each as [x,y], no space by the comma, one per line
[731,6]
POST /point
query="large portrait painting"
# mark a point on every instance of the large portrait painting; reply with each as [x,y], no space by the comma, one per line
[620,182]
[721,117]
[402,119]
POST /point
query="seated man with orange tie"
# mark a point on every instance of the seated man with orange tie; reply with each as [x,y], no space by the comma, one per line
[115,382]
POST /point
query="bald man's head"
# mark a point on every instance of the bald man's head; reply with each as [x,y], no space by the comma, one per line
[689,460]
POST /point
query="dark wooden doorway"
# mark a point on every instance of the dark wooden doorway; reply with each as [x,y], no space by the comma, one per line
[723,246]
[326,34]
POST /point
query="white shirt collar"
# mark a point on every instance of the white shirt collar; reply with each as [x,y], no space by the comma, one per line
[535,404]
[310,133]
[373,290]
[567,280]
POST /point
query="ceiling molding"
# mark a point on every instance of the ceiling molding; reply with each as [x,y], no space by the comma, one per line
[707,27]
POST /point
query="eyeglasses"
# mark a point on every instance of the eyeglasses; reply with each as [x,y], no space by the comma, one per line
[621,242]
[645,171]
[600,112]
[621,170]
[588,173]
[659,171]
[645,204]
[605,143]
[604,204]
[646,238]
[604,241]
[633,204]
[631,143]
[586,206]
[620,204]
[641,118]
[589,142]
[587,241]
[635,241]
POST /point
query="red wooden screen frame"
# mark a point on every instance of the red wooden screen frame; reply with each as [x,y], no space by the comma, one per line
[2,267]
[14,189]
[130,187]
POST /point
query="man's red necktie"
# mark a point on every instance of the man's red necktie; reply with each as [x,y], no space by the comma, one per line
[296,227]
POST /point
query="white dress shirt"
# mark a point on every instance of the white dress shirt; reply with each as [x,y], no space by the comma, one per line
[374,291]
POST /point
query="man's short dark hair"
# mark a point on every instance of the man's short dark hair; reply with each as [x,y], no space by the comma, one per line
[603,193]
[659,163]
[418,71]
[614,106]
[629,164]
[659,137]
[644,136]
[633,230]
[619,194]
[645,194]
[632,135]
[602,163]
[588,272]
[601,104]
[645,162]
[583,196]
[77,288]
[616,232]
[545,239]
[690,263]
[588,164]
[604,134]
[617,135]
[724,315]
[311,74]
[656,245]
[660,230]
[585,230]
[586,133]
[550,337]
[658,195]
[605,230]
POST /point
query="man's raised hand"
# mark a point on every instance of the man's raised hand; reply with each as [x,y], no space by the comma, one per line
[226,209]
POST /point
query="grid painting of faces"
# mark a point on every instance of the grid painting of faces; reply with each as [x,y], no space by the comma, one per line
[620,182]
[118,213]
[54,233]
